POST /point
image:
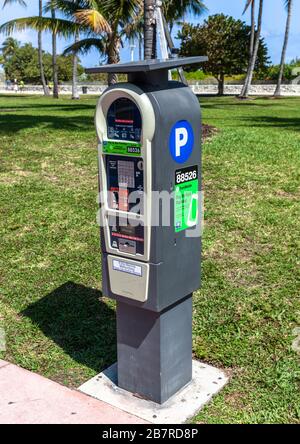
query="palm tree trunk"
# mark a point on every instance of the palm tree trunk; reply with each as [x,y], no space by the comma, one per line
[285,43]
[75,94]
[221,81]
[40,49]
[149,30]
[252,38]
[54,59]
[249,77]
[113,57]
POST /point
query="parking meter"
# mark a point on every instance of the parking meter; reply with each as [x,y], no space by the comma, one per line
[149,134]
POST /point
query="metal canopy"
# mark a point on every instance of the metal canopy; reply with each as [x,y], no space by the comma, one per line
[145,66]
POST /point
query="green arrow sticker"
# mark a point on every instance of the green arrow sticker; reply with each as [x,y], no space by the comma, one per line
[186,198]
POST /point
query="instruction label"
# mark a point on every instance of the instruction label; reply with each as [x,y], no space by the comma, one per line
[126,148]
[126,267]
[186,198]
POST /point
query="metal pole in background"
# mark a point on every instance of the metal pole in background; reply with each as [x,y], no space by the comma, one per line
[132,48]
[167,46]
[161,31]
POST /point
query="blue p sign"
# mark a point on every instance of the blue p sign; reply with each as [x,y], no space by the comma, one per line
[181,141]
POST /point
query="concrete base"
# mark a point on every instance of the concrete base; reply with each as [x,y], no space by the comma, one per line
[207,381]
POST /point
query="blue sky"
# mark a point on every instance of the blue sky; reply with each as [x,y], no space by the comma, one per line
[273,27]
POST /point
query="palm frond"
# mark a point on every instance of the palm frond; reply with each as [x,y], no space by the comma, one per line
[93,19]
[134,28]
[9,2]
[62,27]
[116,10]
[286,4]
[197,8]
[68,7]
[248,3]
[174,10]
[85,45]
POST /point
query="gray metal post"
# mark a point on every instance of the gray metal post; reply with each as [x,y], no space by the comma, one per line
[154,349]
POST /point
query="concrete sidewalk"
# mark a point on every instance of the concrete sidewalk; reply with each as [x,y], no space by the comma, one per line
[27,398]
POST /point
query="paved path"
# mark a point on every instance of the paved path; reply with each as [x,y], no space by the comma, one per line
[27,398]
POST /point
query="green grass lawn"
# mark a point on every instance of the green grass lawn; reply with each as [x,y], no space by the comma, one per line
[248,307]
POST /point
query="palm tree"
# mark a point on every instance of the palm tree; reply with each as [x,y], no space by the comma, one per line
[75,94]
[69,8]
[134,30]
[149,30]
[105,23]
[118,14]
[23,3]
[9,2]
[37,23]
[252,37]
[53,24]
[250,71]
[175,10]
[10,44]
[289,6]
[40,49]
[9,47]
[54,55]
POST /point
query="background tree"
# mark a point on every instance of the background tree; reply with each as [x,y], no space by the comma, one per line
[252,63]
[272,73]
[10,42]
[23,66]
[9,2]
[56,26]
[289,7]
[226,43]
[295,61]
[106,21]
[69,8]
[35,22]
[134,30]
[23,3]
[176,10]
[9,47]
[65,67]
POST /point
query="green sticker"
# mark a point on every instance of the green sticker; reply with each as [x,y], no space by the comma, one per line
[126,148]
[186,198]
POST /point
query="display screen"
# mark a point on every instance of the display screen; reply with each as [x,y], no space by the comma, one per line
[124,112]
[124,121]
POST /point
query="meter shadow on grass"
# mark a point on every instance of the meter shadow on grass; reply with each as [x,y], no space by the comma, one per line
[81,324]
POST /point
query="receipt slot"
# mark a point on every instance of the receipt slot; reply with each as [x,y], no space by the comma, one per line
[149,134]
